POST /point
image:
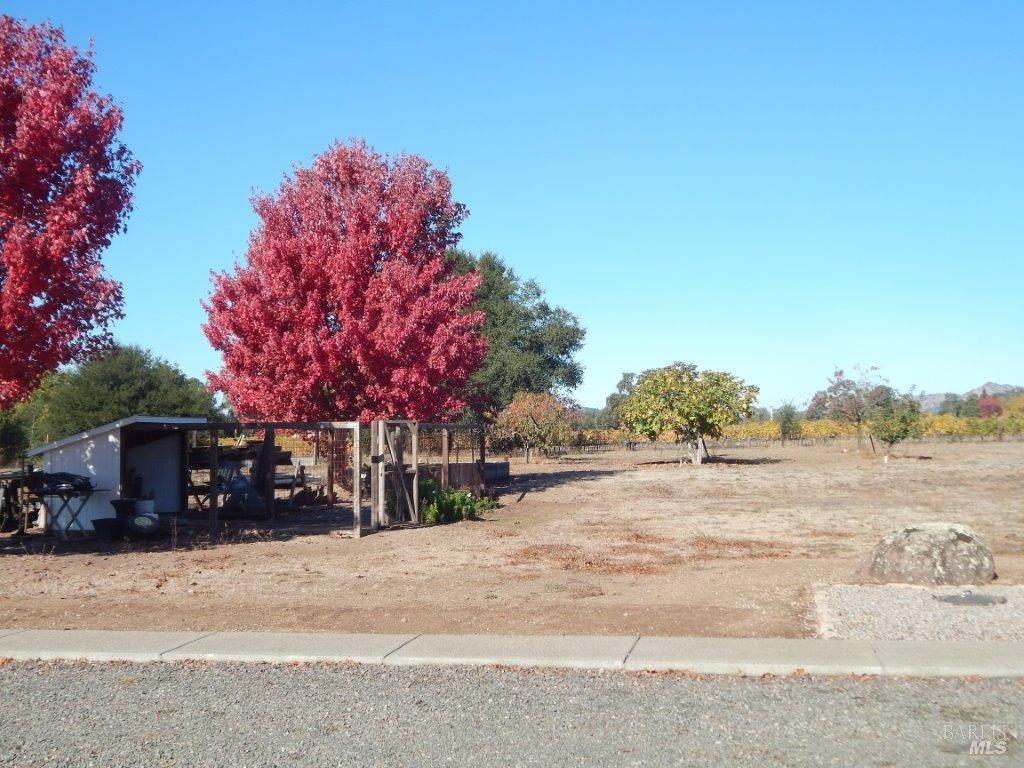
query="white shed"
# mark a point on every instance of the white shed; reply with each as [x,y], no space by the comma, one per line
[151,448]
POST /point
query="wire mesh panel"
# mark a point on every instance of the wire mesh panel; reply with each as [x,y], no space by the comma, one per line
[237,469]
[404,453]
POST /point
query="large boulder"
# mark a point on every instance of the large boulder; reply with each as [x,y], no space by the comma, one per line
[931,553]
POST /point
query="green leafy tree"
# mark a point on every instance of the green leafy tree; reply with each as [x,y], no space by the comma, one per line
[689,403]
[531,345]
[127,381]
[896,419]
[951,404]
[788,419]
[971,407]
[13,436]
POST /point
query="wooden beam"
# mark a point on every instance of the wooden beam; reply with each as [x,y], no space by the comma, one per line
[450,425]
[357,491]
[235,426]
[214,472]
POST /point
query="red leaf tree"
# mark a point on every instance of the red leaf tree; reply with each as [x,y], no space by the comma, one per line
[65,190]
[989,406]
[345,306]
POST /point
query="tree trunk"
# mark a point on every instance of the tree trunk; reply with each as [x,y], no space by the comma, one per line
[696,456]
[860,437]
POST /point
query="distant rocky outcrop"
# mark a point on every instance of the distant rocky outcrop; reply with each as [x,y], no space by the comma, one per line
[932,402]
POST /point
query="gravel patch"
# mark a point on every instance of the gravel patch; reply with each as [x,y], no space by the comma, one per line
[336,715]
[904,612]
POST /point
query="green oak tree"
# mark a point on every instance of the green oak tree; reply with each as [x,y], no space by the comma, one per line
[127,381]
[531,345]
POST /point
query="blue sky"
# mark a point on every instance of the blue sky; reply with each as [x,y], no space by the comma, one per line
[773,189]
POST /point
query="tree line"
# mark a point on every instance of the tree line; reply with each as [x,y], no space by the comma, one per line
[679,403]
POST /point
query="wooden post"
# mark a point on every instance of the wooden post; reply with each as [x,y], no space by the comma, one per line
[445,450]
[357,491]
[380,469]
[331,439]
[214,481]
[483,462]
[374,487]
[269,469]
[23,497]
[415,430]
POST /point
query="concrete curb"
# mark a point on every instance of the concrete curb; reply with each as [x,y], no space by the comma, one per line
[719,656]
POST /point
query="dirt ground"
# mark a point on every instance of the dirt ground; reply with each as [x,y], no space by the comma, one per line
[607,543]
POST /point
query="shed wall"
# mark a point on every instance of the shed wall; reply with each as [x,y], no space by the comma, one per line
[158,463]
[99,459]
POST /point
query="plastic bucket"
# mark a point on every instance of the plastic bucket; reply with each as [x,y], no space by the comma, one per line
[145,507]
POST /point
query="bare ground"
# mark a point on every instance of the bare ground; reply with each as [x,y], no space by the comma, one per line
[607,543]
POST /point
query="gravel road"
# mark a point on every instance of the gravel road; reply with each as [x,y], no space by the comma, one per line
[320,715]
[905,612]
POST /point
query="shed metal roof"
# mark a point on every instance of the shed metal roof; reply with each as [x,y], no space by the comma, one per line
[88,435]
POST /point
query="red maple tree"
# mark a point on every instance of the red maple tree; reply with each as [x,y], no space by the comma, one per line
[989,406]
[65,190]
[345,306]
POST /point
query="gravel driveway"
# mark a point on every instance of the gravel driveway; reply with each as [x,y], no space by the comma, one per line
[318,715]
[905,612]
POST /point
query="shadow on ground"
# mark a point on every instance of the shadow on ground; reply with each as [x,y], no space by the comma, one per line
[523,483]
[723,459]
[194,534]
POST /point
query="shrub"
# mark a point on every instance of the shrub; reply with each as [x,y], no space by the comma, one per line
[448,505]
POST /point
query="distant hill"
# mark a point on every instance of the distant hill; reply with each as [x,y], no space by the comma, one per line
[933,401]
